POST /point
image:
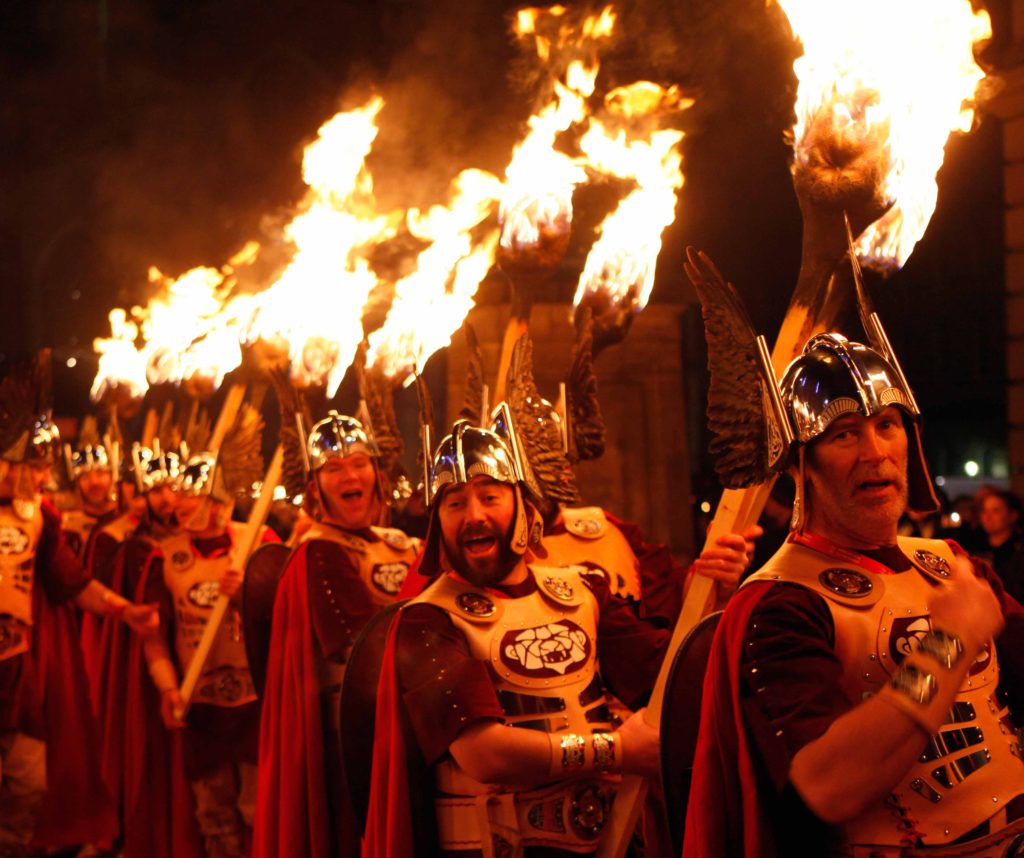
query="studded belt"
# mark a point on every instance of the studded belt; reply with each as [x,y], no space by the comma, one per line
[568,816]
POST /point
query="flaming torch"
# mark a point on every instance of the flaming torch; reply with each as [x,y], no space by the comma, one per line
[627,143]
[313,310]
[875,105]
[431,303]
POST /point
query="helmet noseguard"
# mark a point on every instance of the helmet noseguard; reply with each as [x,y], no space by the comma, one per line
[337,436]
[153,467]
[834,377]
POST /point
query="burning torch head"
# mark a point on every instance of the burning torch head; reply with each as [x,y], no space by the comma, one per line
[470,451]
[834,377]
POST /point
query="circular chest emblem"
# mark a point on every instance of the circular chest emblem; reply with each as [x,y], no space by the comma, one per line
[389,577]
[559,588]
[846,582]
[586,527]
[204,594]
[181,559]
[397,540]
[933,563]
[554,649]
[13,540]
[229,687]
[475,604]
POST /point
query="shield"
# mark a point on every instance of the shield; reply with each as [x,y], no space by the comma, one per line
[359,707]
[680,720]
[259,587]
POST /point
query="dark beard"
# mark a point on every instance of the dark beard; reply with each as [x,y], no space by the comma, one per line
[493,572]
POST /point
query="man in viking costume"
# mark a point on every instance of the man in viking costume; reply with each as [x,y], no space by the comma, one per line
[853,701]
[185,575]
[493,680]
[49,778]
[345,568]
[135,751]
[92,470]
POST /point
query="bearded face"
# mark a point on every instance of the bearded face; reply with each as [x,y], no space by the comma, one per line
[476,530]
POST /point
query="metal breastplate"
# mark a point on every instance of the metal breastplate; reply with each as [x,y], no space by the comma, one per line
[590,538]
[19,539]
[77,525]
[972,767]
[193,582]
[383,564]
[542,651]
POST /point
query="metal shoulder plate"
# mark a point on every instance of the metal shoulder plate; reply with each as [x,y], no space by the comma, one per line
[463,600]
[585,522]
[837,580]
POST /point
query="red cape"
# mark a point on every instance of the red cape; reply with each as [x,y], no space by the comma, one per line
[76,808]
[725,817]
[389,827]
[157,805]
[291,802]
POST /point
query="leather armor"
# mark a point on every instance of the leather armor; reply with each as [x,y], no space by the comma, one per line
[972,767]
[542,651]
[193,582]
[590,538]
[382,564]
[78,526]
[19,540]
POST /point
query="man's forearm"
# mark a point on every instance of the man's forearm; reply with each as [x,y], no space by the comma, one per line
[865,753]
[100,600]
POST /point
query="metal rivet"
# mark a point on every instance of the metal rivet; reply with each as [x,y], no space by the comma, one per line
[872,657]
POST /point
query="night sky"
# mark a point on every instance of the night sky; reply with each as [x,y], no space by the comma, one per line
[156,132]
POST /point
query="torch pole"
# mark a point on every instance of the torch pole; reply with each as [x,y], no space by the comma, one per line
[239,555]
[814,307]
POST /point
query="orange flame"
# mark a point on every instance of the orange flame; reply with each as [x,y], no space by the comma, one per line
[537,200]
[896,78]
[431,303]
[316,304]
[629,145]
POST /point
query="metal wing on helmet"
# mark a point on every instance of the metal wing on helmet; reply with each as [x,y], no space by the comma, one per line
[377,393]
[293,442]
[25,429]
[745,415]
[240,459]
[586,423]
[546,468]
[473,405]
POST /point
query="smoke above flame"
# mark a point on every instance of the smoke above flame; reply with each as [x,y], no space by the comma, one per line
[886,83]
[311,314]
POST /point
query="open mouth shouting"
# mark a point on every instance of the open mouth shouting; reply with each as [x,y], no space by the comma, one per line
[479,542]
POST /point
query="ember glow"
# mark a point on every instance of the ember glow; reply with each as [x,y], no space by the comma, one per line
[890,79]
